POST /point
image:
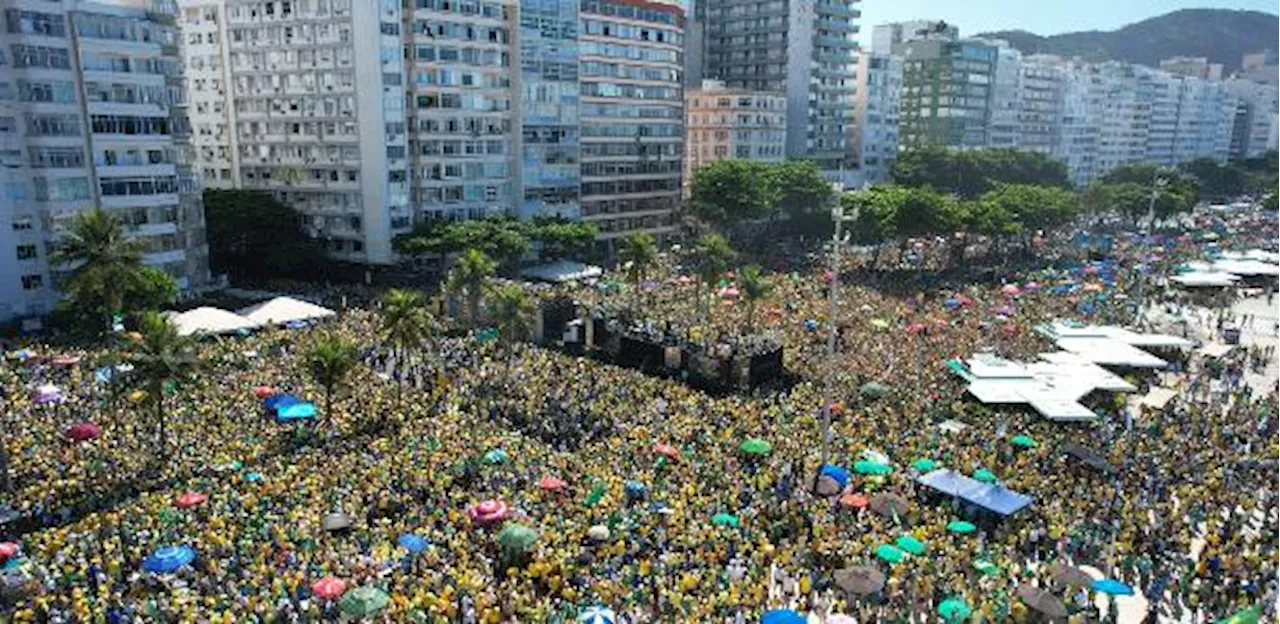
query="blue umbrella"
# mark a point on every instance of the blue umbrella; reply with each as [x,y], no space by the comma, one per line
[782,616]
[952,303]
[295,411]
[168,559]
[840,475]
[1113,587]
[277,400]
[253,476]
[597,615]
[810,324]
[412,543]
[635,489]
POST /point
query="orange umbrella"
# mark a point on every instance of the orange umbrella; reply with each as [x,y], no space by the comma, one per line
[551,483]
[854,500]
[666,449]
[191,499]
[263,392]
[329,587]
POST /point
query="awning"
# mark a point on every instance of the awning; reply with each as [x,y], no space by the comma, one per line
[1089,457]
[561,271]
[1216,349]
[992,497]
[207,320]
[1158,397]
[282,310]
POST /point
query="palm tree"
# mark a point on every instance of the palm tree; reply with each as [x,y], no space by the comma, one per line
[406,323]
[711,258]
[513,311]
[105,263]
[331,358]
[469,275]
[638,254]
[755,287]
[161,357]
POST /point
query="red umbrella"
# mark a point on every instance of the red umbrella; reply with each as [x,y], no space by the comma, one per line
[489,511]
[8,550]
[853,500]
[191,499]
[551,483]
[66,360]
[263,392]
[666,449]
[915,328]
[1010,329]
[83,431]
[329,587]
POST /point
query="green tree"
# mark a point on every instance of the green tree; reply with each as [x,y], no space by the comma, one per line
[712,257]
[161,358]
[727,192]
[106,266]
[252,234]
[512,311]
[1216,180]
[503,239]
[754,287]
[638,253]
[1030,207]
[469,276]
[155,289]
[970,173]
[925,212]
[406,324]
[561,238]
[330,359]
[802,193]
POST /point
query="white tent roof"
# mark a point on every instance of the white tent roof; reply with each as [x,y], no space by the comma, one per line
[208,320]
[1205,278]
[1246,267]
[1052,386]
[1110,352]
[1216,349]
[1063,410]
[285,310]
[561,271]
[1158,397]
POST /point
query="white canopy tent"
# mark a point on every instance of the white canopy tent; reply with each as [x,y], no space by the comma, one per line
[283,310]
[1206,279]
[1053,386]
[209,320]
[561,271]
[1110,352]
[1158,397]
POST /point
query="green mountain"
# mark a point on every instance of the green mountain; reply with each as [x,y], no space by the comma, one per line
[1221,35]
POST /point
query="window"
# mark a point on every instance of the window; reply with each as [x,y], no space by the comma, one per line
[32,282]
[22,224]
[40,56]
[26,252]
[33,23]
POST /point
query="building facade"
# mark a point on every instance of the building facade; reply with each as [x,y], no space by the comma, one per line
[878,104]
[805,50]
[550,155]
[1255,126]
[725,123]
[946,93]
[92,114]
[885,36]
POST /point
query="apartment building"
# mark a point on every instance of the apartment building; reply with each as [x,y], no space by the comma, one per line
[92,114]
[805,50]
[550,153]
[878,103]
[884,37]
[1255,124]
[631,116]
[725,123]
[946,93]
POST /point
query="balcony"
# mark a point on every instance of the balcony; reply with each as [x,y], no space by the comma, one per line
[161,258]
[139,201]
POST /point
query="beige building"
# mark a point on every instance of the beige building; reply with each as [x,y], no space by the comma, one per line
[725,123]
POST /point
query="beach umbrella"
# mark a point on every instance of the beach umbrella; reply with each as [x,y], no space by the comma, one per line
[1042,601]
[1251,615]
[724,519]
[83,431]
[253,477]
[891,554]
[635,489]
[168,559]
[1011,290]
[48,393]
[857,501]
[910,544]
[65,360]
[984,476]
[1069,576]
[874,390]
[1023,441]
[362,602]
[496,456]
[828,486]
[517,537]
[985,567]
[329,587]
[1112,587]
[915,328]
[859,580]
[666,450]
[262,392]
[755,446]
[923,464]
[274,401]
[836,473]
[598,532]
[412,543]
[888,504]
[879,323]
[336,521]
[1031,286]
[552,484]
[868,467]
[782,616]
[597,615]
[960,526]
[190,499]
[954,610]
[1004,310]
[295,411]
[951,303]
[730,293]
[8,550]
[489,511]
[684,280]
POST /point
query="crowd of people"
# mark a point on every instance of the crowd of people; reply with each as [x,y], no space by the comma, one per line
[638,487]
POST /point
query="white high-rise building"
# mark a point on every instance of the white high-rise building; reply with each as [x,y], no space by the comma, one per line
[885,36]
[1257,126]
[878,103]
[91,114]
[1003,126]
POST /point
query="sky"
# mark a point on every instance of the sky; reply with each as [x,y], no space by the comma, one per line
[1042,17]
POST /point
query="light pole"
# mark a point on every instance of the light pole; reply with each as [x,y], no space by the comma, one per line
[839,217]
[1157,184]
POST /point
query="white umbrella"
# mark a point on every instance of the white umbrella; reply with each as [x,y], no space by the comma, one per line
[597,615]
[598,532]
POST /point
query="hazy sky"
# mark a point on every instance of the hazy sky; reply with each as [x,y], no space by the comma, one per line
[1042,17]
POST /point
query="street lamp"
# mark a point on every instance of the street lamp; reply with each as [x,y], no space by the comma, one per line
[839,216]
[1157,185]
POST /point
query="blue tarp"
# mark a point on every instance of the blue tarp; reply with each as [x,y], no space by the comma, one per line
[295,411]
[992,497]
[277,400]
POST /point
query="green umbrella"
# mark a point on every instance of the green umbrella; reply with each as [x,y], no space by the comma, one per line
[363,602]
[755,446]
[924,465]
[892,554]
[985,567]
[517,537]
[496,456]
[910,544]
[1251,615]
[954,610]
[724,519]
[960,526]
[873,390]
[868,467]
[1023,441]
[984,475]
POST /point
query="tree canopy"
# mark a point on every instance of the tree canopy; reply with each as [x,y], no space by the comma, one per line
[252,234]
[503,238]
[727,192]
[970,173]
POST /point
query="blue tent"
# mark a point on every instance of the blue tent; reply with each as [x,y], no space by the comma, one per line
[992,497]
[412,543]
[840,475]
[295,411]
[276,400]
[1113,587]
[168,559]
[782,616]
